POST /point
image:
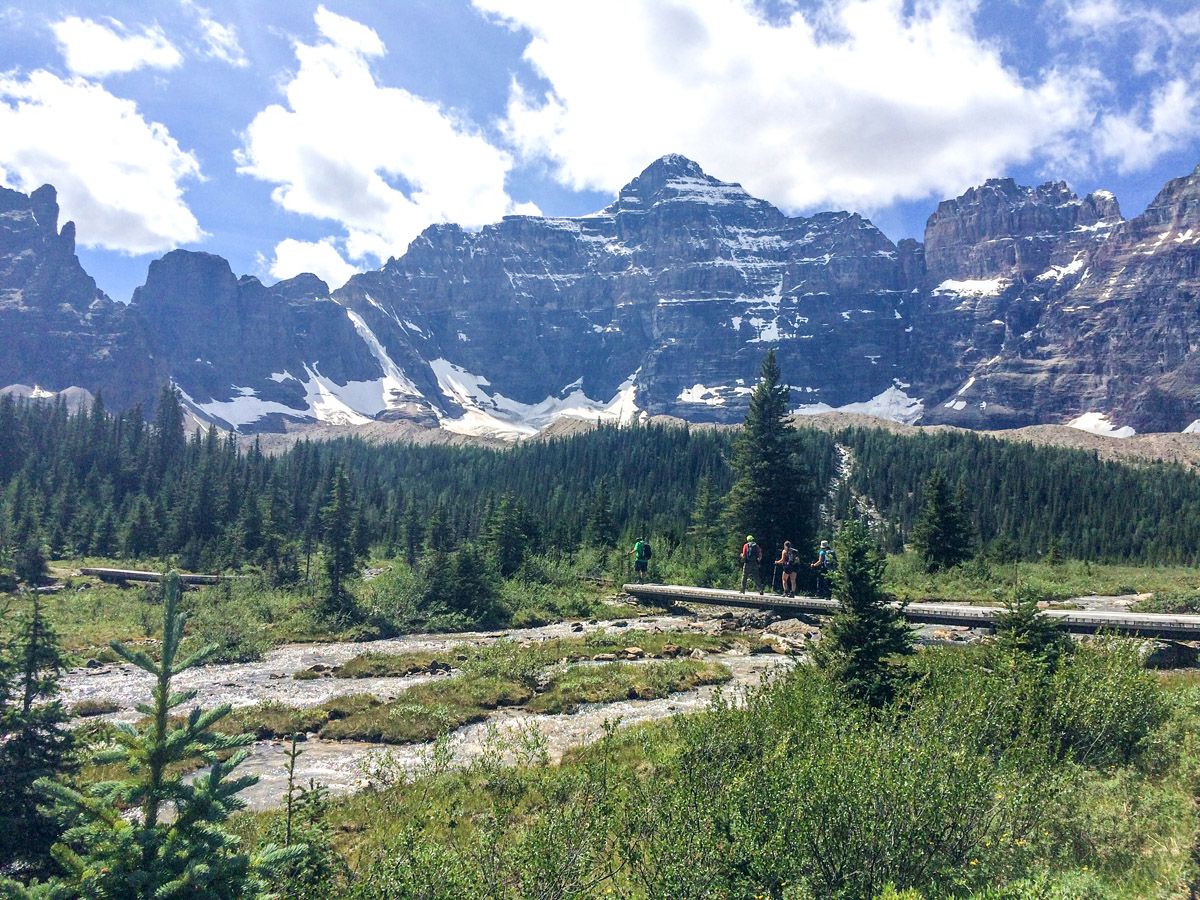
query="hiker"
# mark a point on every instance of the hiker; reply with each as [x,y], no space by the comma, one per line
[641,554]
[751,557]
[825,563]
[788,564]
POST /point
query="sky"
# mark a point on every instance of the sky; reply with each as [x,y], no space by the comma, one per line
[324,137]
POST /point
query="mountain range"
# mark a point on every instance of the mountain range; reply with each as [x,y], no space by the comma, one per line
[1023,305]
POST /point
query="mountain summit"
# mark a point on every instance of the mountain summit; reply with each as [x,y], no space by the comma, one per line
[1023,305]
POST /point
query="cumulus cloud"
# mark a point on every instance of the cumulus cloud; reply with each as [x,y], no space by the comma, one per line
[118,176]
[856,103]
[379,160]
[321,258]
[96,49]
[220,40]
[1167,116]
[1137,138]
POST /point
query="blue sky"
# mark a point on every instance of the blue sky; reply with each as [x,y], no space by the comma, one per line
[323,137]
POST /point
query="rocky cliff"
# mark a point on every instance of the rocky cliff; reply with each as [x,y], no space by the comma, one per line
[56,328]
[1022,305]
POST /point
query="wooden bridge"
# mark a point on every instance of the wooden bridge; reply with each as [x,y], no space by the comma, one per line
[1080,621]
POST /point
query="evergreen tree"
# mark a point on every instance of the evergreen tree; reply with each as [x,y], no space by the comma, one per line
[338,605]
[600,530]
[1023,629]
[771,497]
[30,563]
[704,528]
[193,855]
[169,440]
[942,535]
[866,632]
[34,743]
[506,539]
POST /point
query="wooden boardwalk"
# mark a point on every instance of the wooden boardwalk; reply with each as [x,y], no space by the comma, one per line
[1149,625]
[135,575]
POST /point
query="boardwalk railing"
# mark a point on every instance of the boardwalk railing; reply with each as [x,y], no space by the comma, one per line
[1080,621]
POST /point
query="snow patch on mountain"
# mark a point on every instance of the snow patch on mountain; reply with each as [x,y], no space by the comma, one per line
[972,287]
[892,404]
[1099,423]
[487,413]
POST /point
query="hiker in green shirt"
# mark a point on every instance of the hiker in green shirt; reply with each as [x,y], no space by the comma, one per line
[641,554]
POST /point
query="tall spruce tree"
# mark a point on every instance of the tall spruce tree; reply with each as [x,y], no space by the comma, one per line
[600,530]
[942,534]
[34,743]
[866,632]
[338,518]
[772,496]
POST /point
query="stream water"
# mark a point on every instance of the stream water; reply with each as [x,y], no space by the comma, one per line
[345,766]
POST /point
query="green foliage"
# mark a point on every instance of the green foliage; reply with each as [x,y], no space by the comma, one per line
[861,640]
[30,563]
[1033,495]
[942,533]
[34,742]
[337,604]
[773,496]
[1023,630]
[314,869]
[192,855]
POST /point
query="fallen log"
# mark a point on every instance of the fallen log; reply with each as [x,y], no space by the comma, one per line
[118,575]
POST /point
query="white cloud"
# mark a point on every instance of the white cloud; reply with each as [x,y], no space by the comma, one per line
[1136,139]
[220,40]
[858,104]
[321,258]
[1165,114]
[118,176]
[95,49]
[379,160]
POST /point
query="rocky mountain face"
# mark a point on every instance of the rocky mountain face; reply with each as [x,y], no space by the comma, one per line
[1076,315]
[56,328]
[1022,305]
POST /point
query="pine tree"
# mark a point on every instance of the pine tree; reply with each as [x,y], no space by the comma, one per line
[704,529]
[506,540]
[169,440]
[34,743]
[30,563]
[1023,629]
[338,605]
[772,496]
[600,530]
[193,855]
[866,632]
[942,535]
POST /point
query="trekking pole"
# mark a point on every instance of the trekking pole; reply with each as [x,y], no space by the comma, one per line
[774,575]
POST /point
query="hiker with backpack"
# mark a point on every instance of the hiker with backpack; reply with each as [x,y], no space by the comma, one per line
[788,561]
[641,554]
[751,557]
[825,563]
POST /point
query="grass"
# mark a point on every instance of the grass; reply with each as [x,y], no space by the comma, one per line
[989,583]
[100,706]
[1124,834]
[390,665]
[610,683]
[500,674]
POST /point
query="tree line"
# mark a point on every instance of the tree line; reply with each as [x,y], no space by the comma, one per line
[95,483]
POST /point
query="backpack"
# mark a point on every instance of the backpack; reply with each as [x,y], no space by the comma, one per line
[646,551]
[789,558]
[753,551]
[828,561]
